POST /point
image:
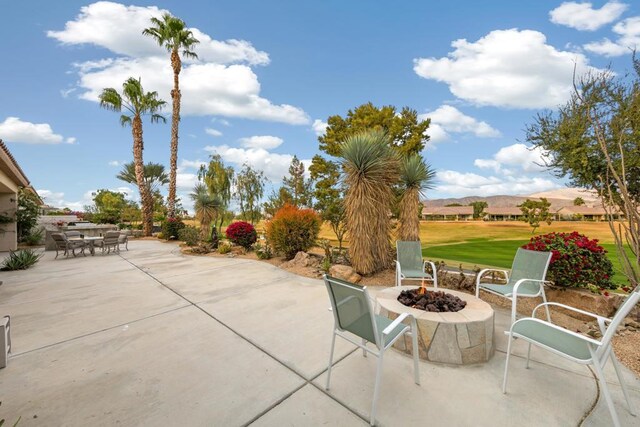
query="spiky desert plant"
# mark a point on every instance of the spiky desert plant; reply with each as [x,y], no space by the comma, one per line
[172,33]
[415,177]
[370,168]
[206,208]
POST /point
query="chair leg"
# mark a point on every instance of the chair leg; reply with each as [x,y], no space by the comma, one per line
[544,300]
[376,388]
[514,308]
[364,352]
[625,390]
[506,365]
[416,355]
[333,344]
[528,355]
[605,389]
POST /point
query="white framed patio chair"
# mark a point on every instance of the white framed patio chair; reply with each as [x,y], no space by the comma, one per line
[576,347]
[527,279]
[356,322]
[411,266]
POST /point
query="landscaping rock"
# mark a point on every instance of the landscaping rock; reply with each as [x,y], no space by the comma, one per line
[303,259]
[344,272]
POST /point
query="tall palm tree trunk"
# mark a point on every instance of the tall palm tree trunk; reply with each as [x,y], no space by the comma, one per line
[145,192]
[176,64]
[409,229]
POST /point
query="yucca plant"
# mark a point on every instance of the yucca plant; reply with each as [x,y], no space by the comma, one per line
[415,177]
[370,169]
[20,260]
[206,208]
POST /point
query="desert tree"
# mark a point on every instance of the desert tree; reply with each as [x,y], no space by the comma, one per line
[415,178]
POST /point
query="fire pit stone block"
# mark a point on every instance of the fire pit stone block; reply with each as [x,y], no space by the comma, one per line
[461,338]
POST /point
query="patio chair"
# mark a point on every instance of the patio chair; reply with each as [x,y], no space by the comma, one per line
[527,279]
[354,316]
[110,241]
[123,239]
[576,347]
[65,245]
[73,233]
[411,266]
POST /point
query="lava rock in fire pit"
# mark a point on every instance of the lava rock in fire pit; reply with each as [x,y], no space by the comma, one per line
[435,301]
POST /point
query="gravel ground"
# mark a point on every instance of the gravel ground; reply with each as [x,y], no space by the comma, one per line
[627,350]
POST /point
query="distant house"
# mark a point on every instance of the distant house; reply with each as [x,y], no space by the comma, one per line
[12,178]
[450,213]
[502,214]
[585,213]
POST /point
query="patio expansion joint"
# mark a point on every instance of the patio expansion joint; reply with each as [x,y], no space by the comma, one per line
[263,350]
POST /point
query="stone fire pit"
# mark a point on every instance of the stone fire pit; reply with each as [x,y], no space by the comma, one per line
[460,338]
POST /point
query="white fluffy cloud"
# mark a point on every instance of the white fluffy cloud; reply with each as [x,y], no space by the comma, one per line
[57,199]
[506,68]
[115,163]
[274,165]
[457,184]
[319,127]
[213,132]
[582,16]
[15,130]
[448,119]
[266,142]
[628,39]
[519,156]
[221,82]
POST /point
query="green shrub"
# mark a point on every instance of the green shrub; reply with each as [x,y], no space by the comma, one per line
[242,233]
[189,235]
[224,248]
[20,260]
[577,261]
[35,237]
[171,227]
[263,251]
[293,230]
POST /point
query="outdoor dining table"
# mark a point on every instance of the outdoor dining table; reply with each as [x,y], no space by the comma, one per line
[90,240]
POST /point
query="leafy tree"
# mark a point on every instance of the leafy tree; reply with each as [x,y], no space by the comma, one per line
[27,213]
[450,205]
[206,206]
[578,201]
[277,200]
[595,140]
[218,179]
[329,195]
[536,211]
[405,133]
[370,168]
[415,177]
[138,103]
[296,185]
[172,33]
[249,190]
[478,208]
[108,206]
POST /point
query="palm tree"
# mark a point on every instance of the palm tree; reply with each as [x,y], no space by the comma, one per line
[206,206]
[154,175]
[415,177]
[171,32]
[370,169]
[138,103]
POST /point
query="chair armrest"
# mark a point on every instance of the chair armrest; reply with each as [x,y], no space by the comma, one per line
[432,264]
[398,267]
[481,273]
[559,328]
[521,281]
[396,322]
[568,307]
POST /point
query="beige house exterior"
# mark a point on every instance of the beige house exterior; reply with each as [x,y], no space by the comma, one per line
[12,178]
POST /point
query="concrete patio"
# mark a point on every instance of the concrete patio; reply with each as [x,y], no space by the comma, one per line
[153,337]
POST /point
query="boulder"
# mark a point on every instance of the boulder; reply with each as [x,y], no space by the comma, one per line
[344,272]
[303,259]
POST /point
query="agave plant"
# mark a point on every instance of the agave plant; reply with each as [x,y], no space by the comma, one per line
[370,169]
[206,206]
[415,177]
[20,260]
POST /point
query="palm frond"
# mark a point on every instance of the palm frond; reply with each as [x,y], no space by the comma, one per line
[110,99]
[125,120]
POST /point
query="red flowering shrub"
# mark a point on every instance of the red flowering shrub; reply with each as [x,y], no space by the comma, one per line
[293,230]
[577,261]
[242,233]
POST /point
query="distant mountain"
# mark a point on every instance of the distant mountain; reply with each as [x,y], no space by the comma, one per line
[558,198]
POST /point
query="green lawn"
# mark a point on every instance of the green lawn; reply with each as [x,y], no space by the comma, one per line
[497,253]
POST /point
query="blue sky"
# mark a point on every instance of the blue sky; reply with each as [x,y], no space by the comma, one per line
[271,73]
